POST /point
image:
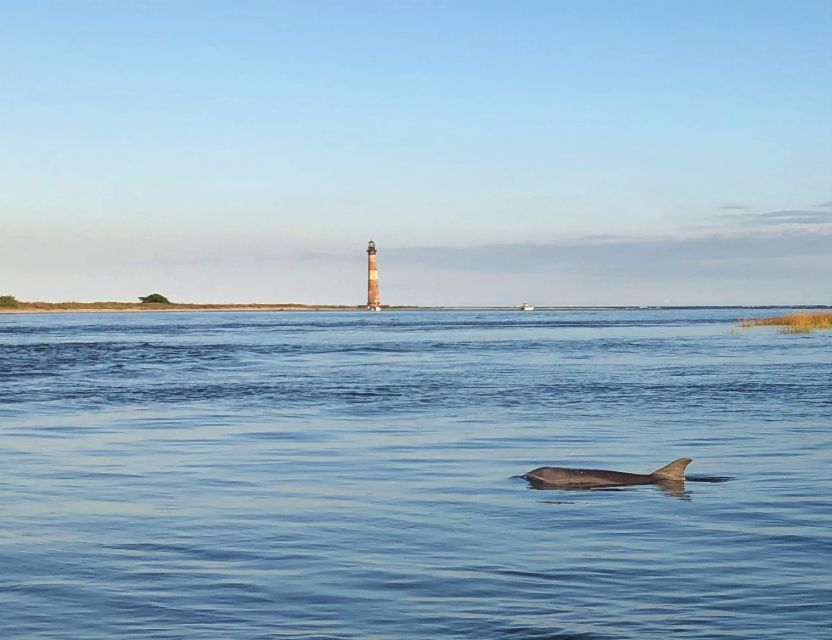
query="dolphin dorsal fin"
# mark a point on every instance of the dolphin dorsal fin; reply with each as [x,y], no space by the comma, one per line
[674,471]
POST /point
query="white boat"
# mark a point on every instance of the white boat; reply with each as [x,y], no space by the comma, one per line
[526,307]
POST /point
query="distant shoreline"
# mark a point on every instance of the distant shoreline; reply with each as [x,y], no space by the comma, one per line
[138,307]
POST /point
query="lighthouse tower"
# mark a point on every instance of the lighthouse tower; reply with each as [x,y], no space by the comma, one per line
[373,301]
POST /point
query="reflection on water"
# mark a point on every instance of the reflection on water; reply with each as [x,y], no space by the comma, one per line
[343,475]
[675,489]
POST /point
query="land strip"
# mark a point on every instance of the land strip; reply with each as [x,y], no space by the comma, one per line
[74,307]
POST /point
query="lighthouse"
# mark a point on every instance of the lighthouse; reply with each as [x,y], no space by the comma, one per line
[373,301]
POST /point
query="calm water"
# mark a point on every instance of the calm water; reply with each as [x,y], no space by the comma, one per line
[349,475]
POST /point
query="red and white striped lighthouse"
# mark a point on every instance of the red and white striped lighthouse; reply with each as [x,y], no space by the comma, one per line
[373,301]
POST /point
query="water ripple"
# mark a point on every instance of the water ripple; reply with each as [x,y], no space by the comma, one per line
[349,475]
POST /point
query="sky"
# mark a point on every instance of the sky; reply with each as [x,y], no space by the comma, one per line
[557,152]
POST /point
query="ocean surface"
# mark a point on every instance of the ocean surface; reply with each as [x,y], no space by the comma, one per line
[354,475]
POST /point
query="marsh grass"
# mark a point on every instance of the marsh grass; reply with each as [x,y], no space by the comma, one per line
[798,322]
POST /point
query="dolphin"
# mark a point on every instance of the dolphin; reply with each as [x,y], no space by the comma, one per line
[562,478]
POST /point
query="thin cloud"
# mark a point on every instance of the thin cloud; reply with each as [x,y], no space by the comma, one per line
[734,207]
[824,205]
[656,257]
[787,217]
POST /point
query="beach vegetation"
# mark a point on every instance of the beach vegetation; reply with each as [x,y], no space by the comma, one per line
[8,302]
[797,322]
[154,298]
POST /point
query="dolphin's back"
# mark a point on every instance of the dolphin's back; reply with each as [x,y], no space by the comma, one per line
[563,477]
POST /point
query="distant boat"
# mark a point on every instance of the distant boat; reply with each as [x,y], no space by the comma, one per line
[526,307]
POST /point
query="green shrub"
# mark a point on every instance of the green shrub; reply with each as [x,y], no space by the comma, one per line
[154,297]
[8,302]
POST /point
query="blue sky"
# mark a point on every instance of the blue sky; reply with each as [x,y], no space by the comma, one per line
[559,152]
